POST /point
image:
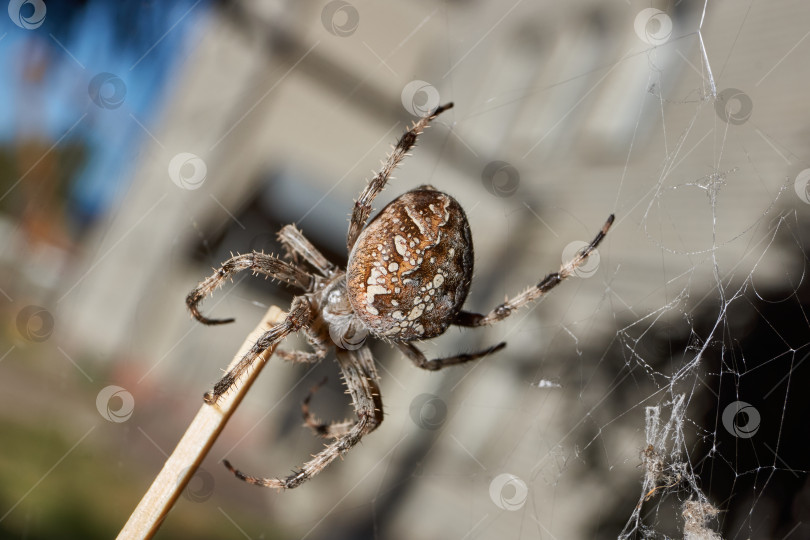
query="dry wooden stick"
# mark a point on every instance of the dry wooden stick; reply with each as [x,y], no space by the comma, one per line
[196,442]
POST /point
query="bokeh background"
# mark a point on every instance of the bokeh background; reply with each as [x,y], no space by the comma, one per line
[659,394]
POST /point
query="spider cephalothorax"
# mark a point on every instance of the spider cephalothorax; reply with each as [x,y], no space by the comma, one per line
[408,275]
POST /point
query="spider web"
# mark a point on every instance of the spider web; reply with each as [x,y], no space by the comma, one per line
[702,463]
[683,418]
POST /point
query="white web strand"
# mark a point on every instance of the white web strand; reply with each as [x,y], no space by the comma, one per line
[712,86]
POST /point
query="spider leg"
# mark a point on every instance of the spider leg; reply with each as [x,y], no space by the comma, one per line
[297,244]
[362,206]
[411,351]
[306,357]
[299,316]
[322,429]
[300,357]
[466,318]
[259,263]
[362,381]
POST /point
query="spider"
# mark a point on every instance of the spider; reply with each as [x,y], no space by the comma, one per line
[408,274]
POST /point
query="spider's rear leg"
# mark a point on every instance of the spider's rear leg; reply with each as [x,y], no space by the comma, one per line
[300,315]
[259,263]
[322,429]
[411,351]
[362,207]
[364,388]
[466,318]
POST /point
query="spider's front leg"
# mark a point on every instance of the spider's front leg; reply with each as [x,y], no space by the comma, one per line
[298,245]
[465,318]
[259,263]
[362,207]
[300,316]
[362,381]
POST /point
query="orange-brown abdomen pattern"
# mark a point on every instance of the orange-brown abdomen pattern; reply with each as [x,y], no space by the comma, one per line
[410,270]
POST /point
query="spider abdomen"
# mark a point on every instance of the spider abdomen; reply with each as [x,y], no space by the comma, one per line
[410,270]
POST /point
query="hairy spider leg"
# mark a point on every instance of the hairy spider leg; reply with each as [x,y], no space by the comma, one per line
[257,262]
[331,430]
[297,244]
[362,381]
[466,318]
[411,351]
[362,206]
[299,316]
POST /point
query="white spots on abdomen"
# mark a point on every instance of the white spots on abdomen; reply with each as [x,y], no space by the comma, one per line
[410,256]
[416,312]
[418,220]
[377,276]
[401,245]
[371,292]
